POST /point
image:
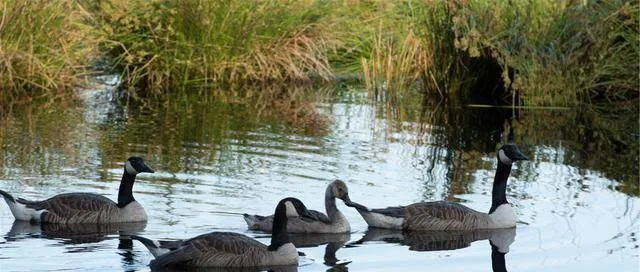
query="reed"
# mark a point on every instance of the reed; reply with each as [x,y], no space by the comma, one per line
[551,52]
[44,49]
[167,45]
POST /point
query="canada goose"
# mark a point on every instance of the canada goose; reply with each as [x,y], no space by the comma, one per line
[85,207]
[228,249]
[333,222]
[443,215]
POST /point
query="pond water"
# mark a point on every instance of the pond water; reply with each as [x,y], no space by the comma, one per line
[576,200]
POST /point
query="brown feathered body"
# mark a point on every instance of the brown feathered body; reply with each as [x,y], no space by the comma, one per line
[437,215]
[225,249]
[72,208]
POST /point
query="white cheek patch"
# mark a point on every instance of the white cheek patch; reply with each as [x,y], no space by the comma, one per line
[291,210]
[503,157]
[129,168]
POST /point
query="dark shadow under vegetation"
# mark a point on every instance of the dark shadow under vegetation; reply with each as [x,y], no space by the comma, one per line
[549,53]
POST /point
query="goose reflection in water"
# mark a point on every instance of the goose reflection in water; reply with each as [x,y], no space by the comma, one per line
[73,233]
[290,268]
[80,237]
[499,239]
[334,242]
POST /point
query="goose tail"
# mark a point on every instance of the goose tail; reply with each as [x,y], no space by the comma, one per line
[7,197]
[22,209]
[153,246]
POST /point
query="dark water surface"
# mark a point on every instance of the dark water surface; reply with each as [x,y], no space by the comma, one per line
[576,200]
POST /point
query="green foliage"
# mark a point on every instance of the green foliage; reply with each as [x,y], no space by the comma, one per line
[165,45]
[44,48]
[553,52]
[562,53]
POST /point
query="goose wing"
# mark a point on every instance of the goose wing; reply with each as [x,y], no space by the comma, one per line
[398,212]
[314,216]
[264,223]
[223,249]
[439,215]
[85,207]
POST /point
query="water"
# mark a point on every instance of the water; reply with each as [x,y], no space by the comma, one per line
[575,200]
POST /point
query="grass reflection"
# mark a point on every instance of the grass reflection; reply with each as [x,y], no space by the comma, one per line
[598,137]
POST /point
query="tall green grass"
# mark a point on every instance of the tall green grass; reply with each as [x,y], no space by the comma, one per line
[552,52]
[44,49]
[168,45]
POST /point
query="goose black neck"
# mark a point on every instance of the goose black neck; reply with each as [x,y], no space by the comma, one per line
[279,236]
[499,192]
[125,192]
[497,260]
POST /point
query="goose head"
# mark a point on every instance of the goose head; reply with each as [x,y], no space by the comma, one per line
[295,208]
[510,153]
[136,165]
[285,207]
[338,189]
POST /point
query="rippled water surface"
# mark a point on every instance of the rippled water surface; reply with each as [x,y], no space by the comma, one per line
[575,200]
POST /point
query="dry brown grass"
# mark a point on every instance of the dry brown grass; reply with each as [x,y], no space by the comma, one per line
[44,49]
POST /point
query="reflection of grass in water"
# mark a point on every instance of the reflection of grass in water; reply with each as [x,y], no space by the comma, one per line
[599,137]
[179,132]
[40,138]
[188,132]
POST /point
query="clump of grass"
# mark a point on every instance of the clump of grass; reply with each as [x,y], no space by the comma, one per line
[44,47]
[552,52]
[422,55]
[164,45]
[560,53]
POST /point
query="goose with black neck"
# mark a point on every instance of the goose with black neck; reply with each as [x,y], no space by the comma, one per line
[228,249]
[70,208]
[444,215]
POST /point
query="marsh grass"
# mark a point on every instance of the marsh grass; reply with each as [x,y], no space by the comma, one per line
[170,45]
[551,52]
[44,49]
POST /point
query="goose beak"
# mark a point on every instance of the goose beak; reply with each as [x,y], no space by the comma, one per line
[518,156]
[352,204]
[146,169]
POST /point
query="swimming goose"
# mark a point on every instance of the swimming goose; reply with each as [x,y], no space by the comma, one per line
[443,215]
[85,207]
[333,222]
[228,249]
